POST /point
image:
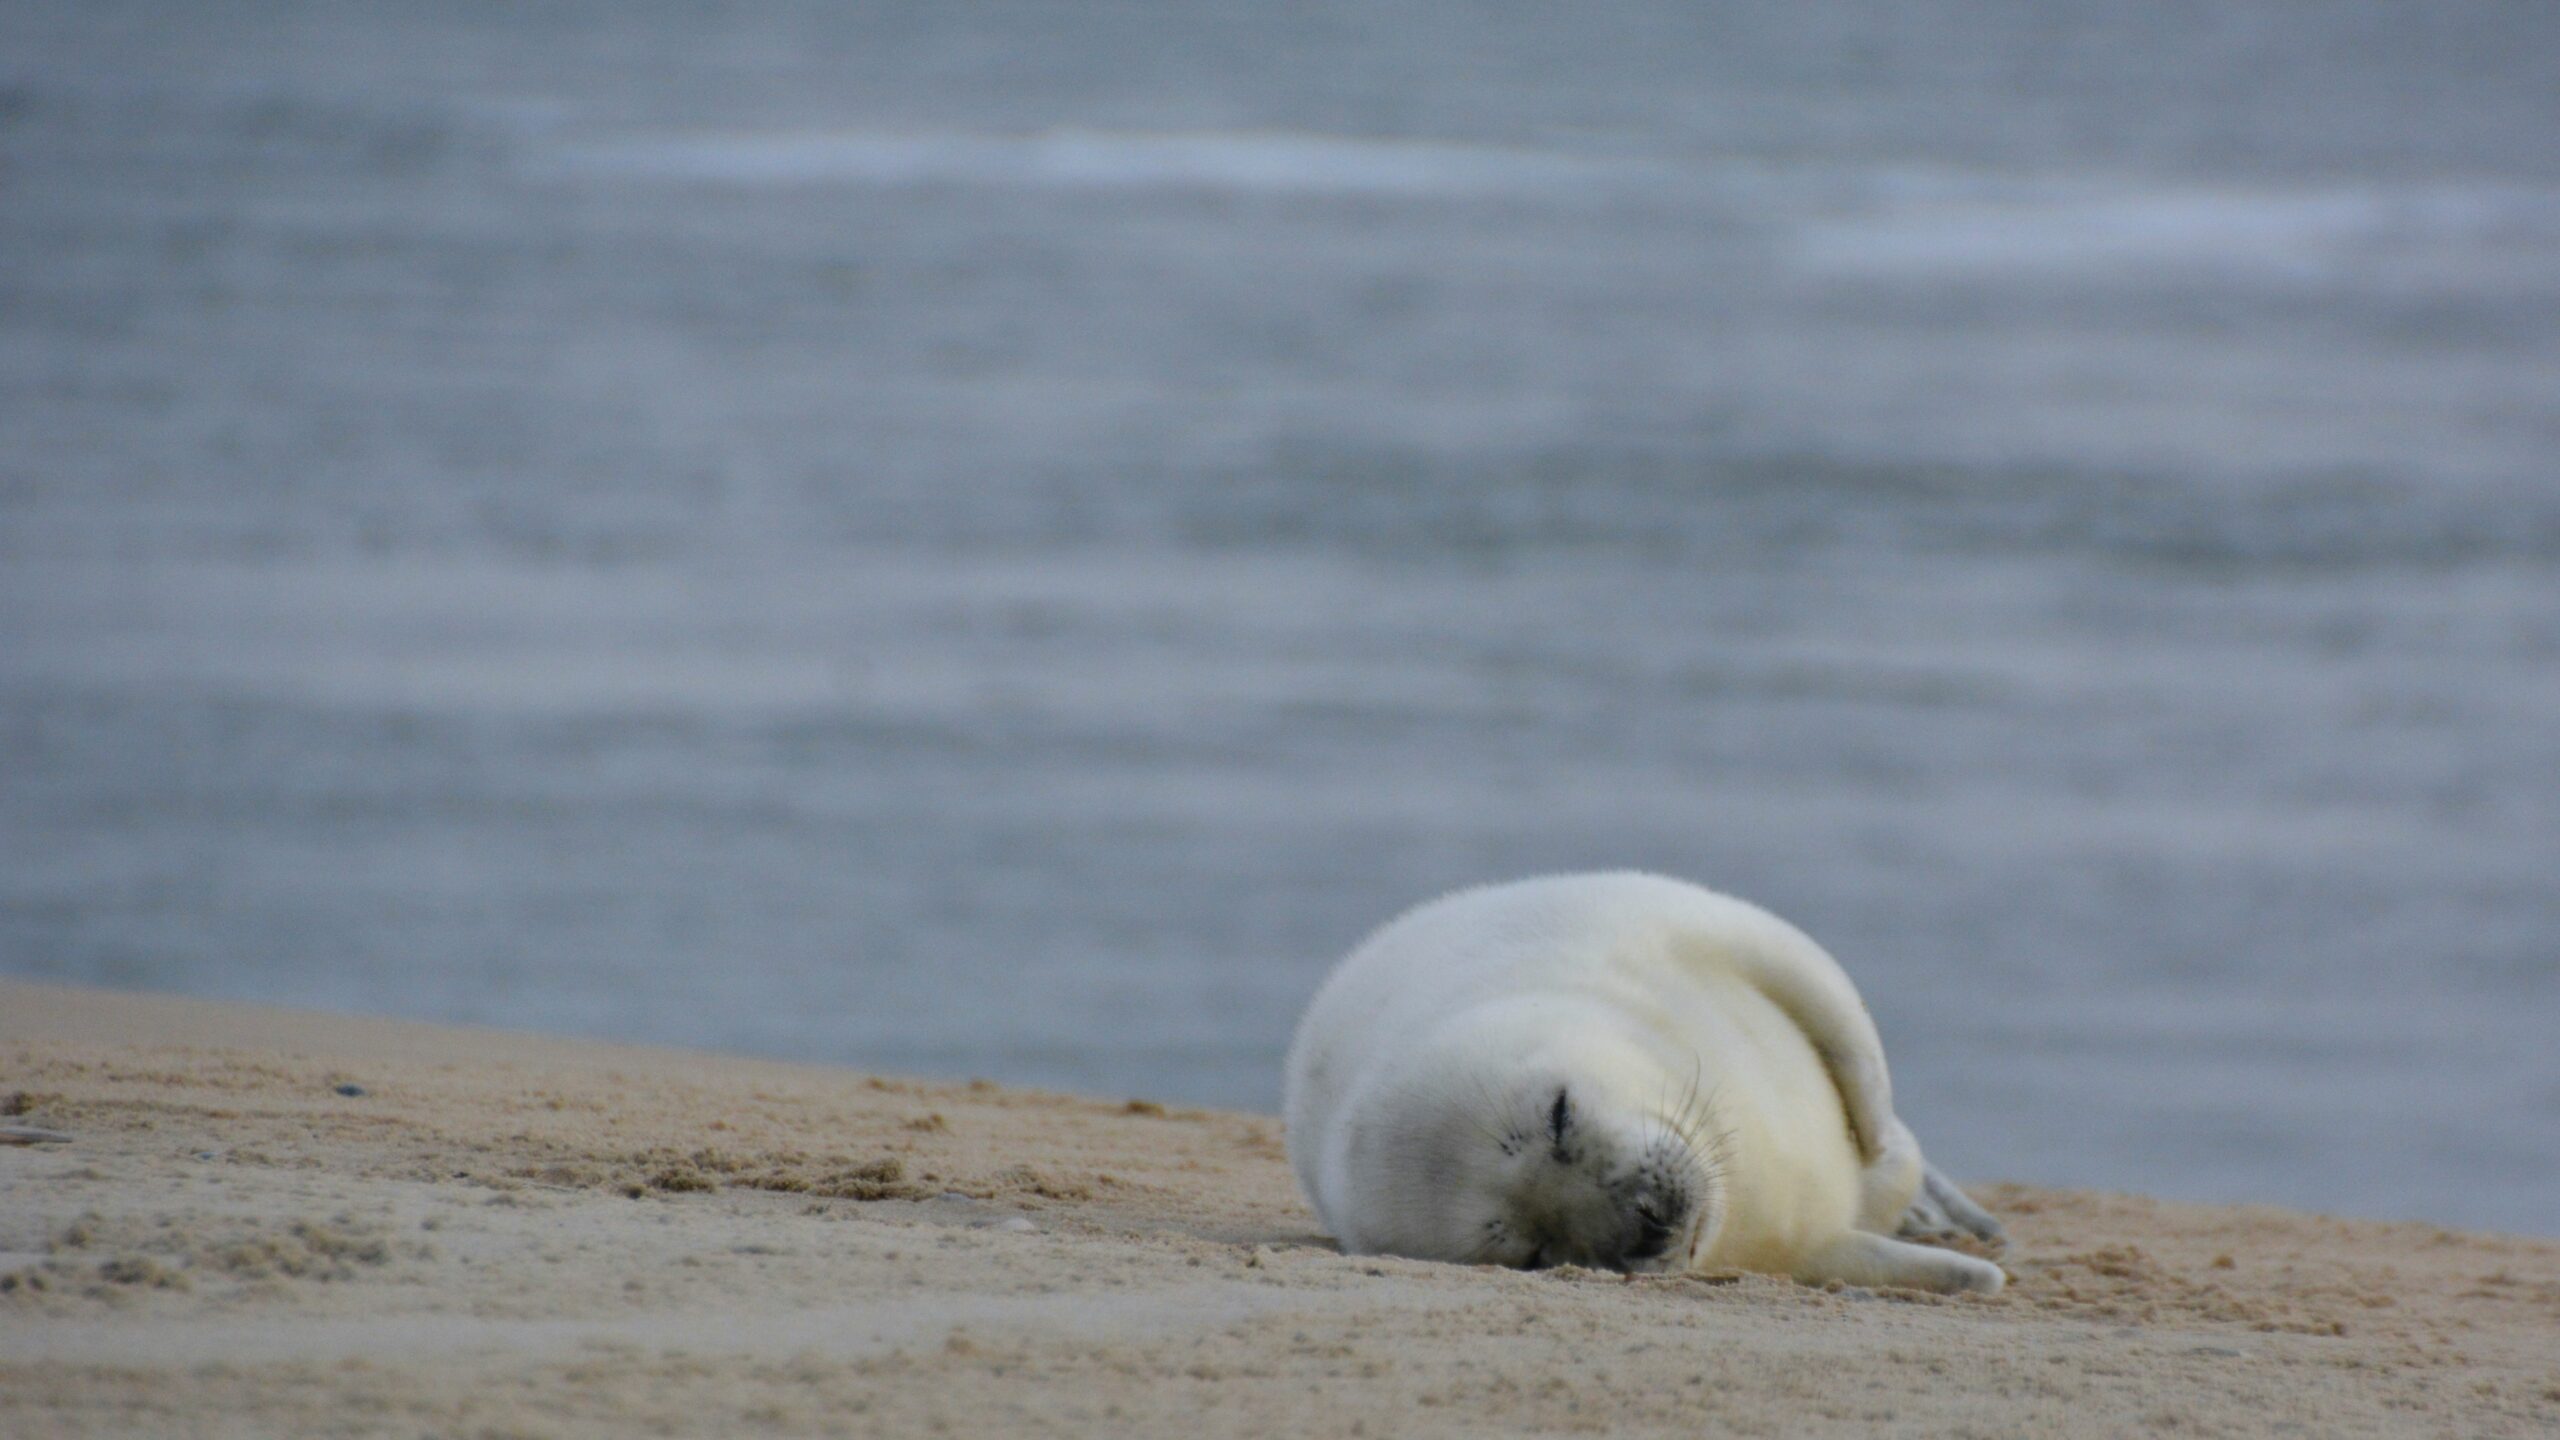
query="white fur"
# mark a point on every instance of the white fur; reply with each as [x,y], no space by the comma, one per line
[1513,1071]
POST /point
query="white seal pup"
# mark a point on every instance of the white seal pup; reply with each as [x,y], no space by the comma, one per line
[1618,1071]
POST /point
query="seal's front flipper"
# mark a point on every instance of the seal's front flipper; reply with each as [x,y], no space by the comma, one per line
[1861,1258]
[1941,1211]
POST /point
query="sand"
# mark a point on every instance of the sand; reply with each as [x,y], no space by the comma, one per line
[228,1220]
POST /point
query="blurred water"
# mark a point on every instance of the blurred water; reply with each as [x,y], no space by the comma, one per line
[999,539]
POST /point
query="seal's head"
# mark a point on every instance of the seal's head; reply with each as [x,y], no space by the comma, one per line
[1556,1161]
[1585,1181]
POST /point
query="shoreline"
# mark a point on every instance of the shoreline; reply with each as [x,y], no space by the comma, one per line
[266,1221]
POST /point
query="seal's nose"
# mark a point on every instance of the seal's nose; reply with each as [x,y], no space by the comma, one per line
[1648,1234]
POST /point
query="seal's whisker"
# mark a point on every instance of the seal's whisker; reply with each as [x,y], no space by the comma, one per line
[1486,1118]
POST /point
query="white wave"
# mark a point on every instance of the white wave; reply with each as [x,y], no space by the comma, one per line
[1276,161]
[1955,227]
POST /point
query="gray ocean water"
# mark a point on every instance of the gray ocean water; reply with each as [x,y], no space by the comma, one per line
[999,538]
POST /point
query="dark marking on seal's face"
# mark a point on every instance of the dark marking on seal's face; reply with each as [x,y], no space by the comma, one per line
[1559,1119]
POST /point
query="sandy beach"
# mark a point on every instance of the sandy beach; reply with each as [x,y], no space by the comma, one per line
[227,1220]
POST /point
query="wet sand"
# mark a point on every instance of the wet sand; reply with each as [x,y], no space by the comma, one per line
[230,1220]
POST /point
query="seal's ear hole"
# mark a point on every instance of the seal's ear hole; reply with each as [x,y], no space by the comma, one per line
[1559,1115]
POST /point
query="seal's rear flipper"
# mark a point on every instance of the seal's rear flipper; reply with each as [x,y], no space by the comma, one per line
[1861,1258]
[1943,1212]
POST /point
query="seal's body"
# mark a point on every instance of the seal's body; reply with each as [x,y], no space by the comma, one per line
[1620,1071]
